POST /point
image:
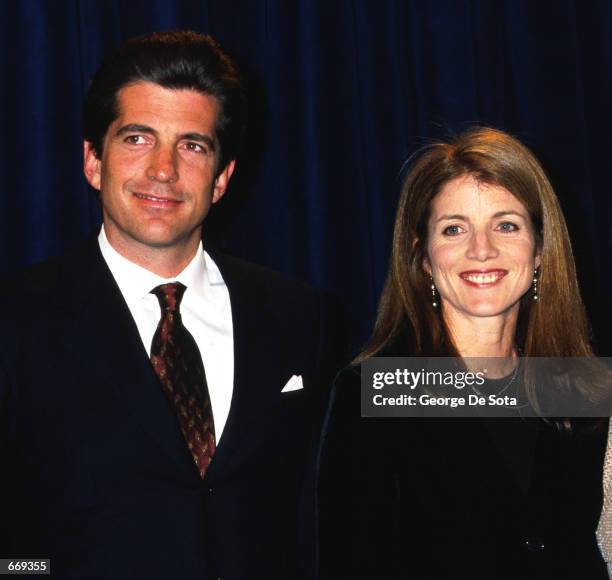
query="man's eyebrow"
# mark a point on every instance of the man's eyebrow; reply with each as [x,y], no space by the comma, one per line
[135,128]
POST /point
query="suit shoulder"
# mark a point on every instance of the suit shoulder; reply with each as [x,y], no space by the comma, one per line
[348,377]
[346,389]
[42,288]
[32,281]
[46,276]
[263,277]
[32,294]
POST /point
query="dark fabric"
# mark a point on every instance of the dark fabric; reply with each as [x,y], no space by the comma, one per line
[447,498]
[341,94]
[177,362]
[100,478]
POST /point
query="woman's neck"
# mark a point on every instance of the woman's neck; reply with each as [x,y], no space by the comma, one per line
[485,337]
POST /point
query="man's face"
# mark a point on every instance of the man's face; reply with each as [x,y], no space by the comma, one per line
[156,175]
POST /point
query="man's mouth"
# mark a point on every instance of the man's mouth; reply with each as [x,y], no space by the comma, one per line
[483,277]
[155,198]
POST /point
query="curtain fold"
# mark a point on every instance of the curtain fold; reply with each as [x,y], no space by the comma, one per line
[341,94]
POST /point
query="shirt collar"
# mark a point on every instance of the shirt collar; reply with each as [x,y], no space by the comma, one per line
[136,282]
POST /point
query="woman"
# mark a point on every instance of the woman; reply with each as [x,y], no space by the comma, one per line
[481,267]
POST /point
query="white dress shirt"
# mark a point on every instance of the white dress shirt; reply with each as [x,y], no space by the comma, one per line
[205,311]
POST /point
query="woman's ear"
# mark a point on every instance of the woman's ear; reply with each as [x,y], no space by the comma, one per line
[538,250]
[538,256]
[425,264]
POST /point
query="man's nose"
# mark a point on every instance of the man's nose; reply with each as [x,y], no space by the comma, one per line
[482,247]
[163,165]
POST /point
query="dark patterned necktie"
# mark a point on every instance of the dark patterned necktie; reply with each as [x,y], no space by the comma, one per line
[178,364]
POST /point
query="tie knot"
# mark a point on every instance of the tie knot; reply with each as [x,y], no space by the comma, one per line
[169,295]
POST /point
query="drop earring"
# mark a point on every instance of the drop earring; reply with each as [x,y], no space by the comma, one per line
[535,285]
[434,302]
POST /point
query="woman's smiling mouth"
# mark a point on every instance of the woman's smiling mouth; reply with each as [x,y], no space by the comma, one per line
[482,278]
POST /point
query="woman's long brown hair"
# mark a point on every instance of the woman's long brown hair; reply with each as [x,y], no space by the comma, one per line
[553,326]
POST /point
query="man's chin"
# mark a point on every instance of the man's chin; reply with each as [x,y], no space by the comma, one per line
[167,242]
[152,235]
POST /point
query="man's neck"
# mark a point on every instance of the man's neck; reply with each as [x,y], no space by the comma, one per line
[165,262]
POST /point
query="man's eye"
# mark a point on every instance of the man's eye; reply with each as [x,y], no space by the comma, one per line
[134,139]
[507,227]
[452,230]
[195,147]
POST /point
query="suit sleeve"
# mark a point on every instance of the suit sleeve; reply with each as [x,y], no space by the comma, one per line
[331,353]
[5,462]
[356,492]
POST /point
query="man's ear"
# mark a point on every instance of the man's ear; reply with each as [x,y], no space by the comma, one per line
[222,181]
[91,165]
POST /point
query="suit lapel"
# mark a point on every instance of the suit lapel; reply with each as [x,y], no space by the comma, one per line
[515,441]
[102,336]
[250,394]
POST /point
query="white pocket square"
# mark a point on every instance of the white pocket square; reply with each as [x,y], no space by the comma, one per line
[293,384]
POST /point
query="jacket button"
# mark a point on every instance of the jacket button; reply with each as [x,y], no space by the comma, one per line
[534,545]
[210,491]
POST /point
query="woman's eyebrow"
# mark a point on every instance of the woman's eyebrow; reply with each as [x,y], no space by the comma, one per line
[457,216]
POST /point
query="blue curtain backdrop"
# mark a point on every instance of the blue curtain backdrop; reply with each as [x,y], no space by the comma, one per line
[342,93]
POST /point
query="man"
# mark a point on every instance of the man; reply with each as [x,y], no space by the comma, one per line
[158,401]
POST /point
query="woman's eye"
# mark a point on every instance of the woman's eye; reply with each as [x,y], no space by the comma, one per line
[452,230]
[507,227]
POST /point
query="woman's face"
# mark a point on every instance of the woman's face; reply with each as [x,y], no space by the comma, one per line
[481,250]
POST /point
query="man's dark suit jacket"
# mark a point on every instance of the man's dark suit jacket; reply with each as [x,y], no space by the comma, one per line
[434,499]
[95,472]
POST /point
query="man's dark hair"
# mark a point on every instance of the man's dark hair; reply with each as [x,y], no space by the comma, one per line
[174,60]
